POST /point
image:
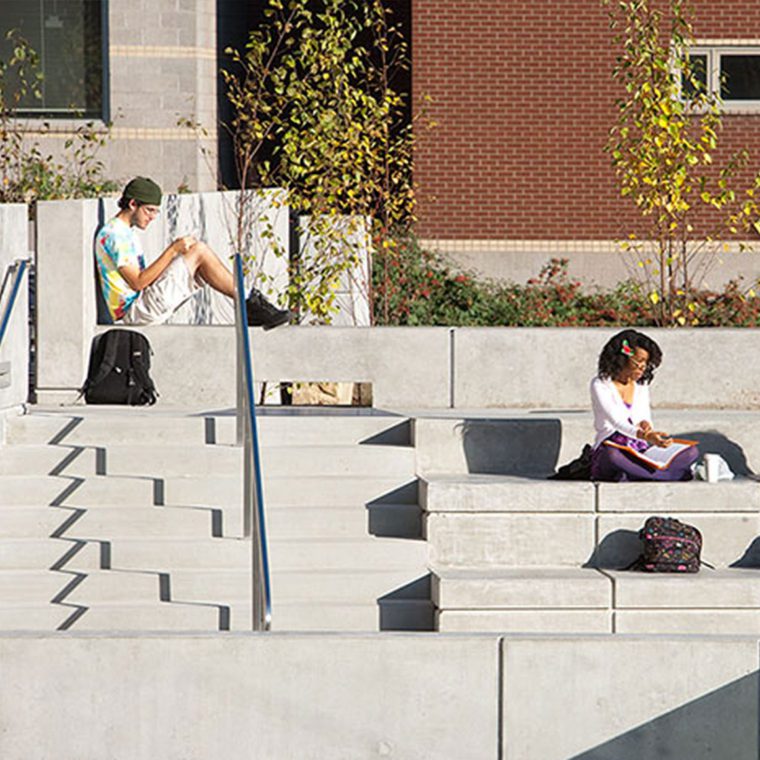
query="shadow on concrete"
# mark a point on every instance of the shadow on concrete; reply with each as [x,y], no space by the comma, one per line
[712,442]
[527,448]
[397,513]
[408,608]
[399,434]
[722,724]
[616,551]
[751,556]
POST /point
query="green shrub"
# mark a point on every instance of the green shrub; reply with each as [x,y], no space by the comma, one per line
[412,286]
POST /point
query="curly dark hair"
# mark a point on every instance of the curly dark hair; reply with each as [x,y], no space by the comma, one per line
[612,360]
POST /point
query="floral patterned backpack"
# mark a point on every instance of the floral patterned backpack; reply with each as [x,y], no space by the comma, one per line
[669,546]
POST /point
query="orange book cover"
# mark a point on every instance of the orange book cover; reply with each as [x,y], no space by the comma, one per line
[655,456]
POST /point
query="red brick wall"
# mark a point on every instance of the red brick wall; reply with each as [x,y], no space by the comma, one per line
[524,99]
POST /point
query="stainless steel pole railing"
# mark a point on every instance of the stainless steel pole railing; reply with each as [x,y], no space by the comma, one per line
[254,525]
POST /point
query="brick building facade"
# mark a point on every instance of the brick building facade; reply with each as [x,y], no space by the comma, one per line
[522,95]
[524,98]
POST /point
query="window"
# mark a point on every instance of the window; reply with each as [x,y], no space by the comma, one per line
[731,71]
[68,36]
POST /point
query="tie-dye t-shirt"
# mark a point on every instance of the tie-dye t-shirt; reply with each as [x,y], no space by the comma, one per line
[117,246]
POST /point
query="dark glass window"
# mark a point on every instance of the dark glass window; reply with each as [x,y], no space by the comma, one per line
[694,77]
[740,77]
[68,37]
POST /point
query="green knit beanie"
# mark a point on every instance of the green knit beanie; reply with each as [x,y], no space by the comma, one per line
[143,190]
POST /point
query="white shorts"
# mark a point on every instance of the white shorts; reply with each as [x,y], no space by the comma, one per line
[162,298]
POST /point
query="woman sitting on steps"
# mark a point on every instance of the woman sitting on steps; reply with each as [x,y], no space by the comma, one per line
[622,415]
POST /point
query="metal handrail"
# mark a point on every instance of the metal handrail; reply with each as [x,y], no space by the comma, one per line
[254,525]
[14,273]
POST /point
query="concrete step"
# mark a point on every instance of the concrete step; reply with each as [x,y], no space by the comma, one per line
[83,425]
[500,493]
[156,555]
[493,540]
[521,442]
[309,586]
[517,588]
[41,490]
[31,587]
[48,553]
[42,617]
[48,460]
[104,523]
[462,540]
[147,616]
[293,491]
[735,588]
[554,600]
[556,622]
[176,460]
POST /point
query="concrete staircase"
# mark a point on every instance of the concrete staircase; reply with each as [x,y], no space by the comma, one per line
[130,519]
[513,552]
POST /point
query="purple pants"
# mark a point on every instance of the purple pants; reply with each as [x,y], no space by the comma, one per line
[617,466]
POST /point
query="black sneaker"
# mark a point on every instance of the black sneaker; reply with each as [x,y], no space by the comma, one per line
[262,313]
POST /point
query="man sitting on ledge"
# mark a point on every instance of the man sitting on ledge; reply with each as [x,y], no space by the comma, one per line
[139,294]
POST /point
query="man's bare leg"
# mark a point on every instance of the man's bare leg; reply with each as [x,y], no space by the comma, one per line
[204,263]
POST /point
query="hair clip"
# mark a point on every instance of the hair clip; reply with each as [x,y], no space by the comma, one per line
[626,349]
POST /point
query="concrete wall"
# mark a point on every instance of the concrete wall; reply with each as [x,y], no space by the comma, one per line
[14,244]
[594,263]
[346,697]
[431,367]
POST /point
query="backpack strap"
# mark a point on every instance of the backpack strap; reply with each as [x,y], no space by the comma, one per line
[145,384]
[108,362]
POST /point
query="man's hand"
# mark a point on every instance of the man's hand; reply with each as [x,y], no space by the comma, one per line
[184,244]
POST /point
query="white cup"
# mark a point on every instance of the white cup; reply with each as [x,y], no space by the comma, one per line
[712,467]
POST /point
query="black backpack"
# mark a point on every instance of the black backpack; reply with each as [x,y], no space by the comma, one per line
[578,469]
[669,546]
[119,370]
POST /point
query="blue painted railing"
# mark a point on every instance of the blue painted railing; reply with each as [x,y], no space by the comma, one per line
[254,524]
[13,276]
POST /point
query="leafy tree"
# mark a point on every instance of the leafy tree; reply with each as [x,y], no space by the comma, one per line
[317,113]
[663,149]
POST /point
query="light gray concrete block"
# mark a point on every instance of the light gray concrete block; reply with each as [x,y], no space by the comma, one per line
[498,493]
[695,496]
[179,375]
[521,588]
[692,622]
[708,589]
[458,540]
[627,698]
[66,310]
[289,696]
[522,445]
[526,366]
[406,366]
[727,537]
[531,379]
[512,622]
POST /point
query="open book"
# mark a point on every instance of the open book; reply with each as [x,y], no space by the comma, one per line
[655,456]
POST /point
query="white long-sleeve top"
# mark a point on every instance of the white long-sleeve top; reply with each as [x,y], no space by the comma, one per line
[611,413]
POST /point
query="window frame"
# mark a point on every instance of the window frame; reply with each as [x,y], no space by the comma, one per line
[72,115]
[713,51]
